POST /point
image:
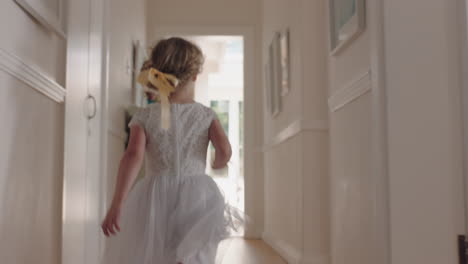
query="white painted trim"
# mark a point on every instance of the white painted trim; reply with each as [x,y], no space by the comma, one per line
[50,19]
[381,244]
[289,132]
[104,117]
[75,222]
[82,240]
[464,50]
[353,28]
[295,128]
[31,76]
[350,92]
[162,31]
[289,253]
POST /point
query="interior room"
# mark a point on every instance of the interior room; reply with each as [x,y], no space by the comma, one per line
[340,126]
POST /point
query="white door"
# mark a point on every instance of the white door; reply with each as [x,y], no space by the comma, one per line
[83,122]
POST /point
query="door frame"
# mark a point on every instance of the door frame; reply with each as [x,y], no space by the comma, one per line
[106,35]
[379,137]
[87,71]
[463,16]
[252,147]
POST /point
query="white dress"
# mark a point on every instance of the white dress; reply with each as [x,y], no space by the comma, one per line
[176,213]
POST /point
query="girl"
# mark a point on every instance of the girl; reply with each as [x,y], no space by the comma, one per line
[176,213]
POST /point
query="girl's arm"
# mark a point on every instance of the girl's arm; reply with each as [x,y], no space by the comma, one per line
[130,165]
[221,144]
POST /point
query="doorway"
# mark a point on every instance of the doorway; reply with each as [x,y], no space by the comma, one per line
[248,188]
[220,86]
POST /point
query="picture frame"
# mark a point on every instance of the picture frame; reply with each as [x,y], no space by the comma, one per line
[284,62]
[274,73]
[139,56]
[268,92]
[49,13]
[347,22]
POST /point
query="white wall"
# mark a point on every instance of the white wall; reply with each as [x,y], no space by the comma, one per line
[425,161]
[31,152]
[30,41]
[352,192]
[213,17]
[127,24]
[202,13]
[296,152]
[282,161]
[421,48]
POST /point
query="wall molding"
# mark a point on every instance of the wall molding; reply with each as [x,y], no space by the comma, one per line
[31,76]
[289,253]
[315,260]
[350,92]
[295,128]
[379,137]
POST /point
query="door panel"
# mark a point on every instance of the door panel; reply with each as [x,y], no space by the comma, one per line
[82,163]
[74,189]
[93,152]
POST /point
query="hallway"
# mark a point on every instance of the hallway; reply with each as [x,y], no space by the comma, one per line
[351,126]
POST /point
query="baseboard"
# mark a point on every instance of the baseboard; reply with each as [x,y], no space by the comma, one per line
[315,260]
[252,234]
[289,253]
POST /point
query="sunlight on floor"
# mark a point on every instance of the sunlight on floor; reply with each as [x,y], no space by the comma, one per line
[245,251]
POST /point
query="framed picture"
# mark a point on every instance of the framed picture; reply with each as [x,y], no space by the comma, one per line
[139,57]
[284,62]
[347,21]
[274,73]
[268,94]
[49,13]
[267,86]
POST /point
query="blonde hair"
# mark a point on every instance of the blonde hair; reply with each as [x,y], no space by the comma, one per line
[176,56]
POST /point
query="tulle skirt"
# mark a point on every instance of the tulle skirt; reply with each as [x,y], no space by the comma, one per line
[169,220]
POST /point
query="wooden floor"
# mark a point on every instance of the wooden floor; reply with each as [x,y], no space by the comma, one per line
[241,251]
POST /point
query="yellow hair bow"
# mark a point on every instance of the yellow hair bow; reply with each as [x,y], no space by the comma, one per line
[165,84]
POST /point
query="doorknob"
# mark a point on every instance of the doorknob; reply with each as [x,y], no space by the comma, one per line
[91,107]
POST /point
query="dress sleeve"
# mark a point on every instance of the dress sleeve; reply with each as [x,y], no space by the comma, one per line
[140,117]
[211,116]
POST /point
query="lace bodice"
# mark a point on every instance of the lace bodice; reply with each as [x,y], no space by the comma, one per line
[181,150]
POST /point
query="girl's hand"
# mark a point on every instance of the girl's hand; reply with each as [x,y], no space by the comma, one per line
[219,166]
[111,221]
